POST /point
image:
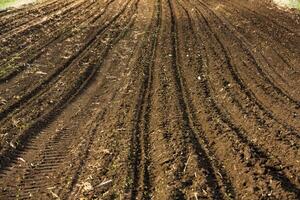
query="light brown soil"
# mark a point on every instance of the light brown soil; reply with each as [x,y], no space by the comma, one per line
[149,99]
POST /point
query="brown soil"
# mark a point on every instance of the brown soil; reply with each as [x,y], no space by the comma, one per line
[149,99]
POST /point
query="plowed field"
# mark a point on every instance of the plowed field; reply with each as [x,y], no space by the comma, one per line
[149,99]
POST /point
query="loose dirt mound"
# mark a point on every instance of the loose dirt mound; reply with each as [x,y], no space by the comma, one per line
[142,99]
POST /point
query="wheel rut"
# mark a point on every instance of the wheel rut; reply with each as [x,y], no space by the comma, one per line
[142,99]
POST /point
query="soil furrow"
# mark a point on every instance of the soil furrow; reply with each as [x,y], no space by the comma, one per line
[203,156]
[268,52]
[250,94]
[259,22]
[55,86]
[143,99]
[229,190]
[141,188]
[26,28]
[9,16]
[15,23]
[274,20]
[46,160]
[104,149]
[60,69]
[36,50]
[269,12]
[257,64]
[236,75]
[21,60]
[36,31]
[255,148]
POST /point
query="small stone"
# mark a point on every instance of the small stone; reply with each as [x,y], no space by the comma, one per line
[40,73]
[87,187]
[12,145]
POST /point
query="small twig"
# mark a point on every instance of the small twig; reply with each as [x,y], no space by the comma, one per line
[54,195]
[186,163]
[196,195]
[104,183]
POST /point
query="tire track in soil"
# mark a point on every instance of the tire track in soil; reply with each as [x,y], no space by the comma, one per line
[228,187]
[250,94]
[141,187]
[258,66]
[9,16]
[43,90]
[203,156]
[287,184]
[31,93]
[268,113]
[279,16]
[174,167]
[293,35]
[288,133]
[29,34]
[8,72]
[53,155]
[120,120]
[95,125]
[40,22]
[264,53]
[170,129]
[155,170]
[37,50]
[104,147]
[16,22]
[264,127]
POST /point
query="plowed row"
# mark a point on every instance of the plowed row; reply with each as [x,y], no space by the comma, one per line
[140,99]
